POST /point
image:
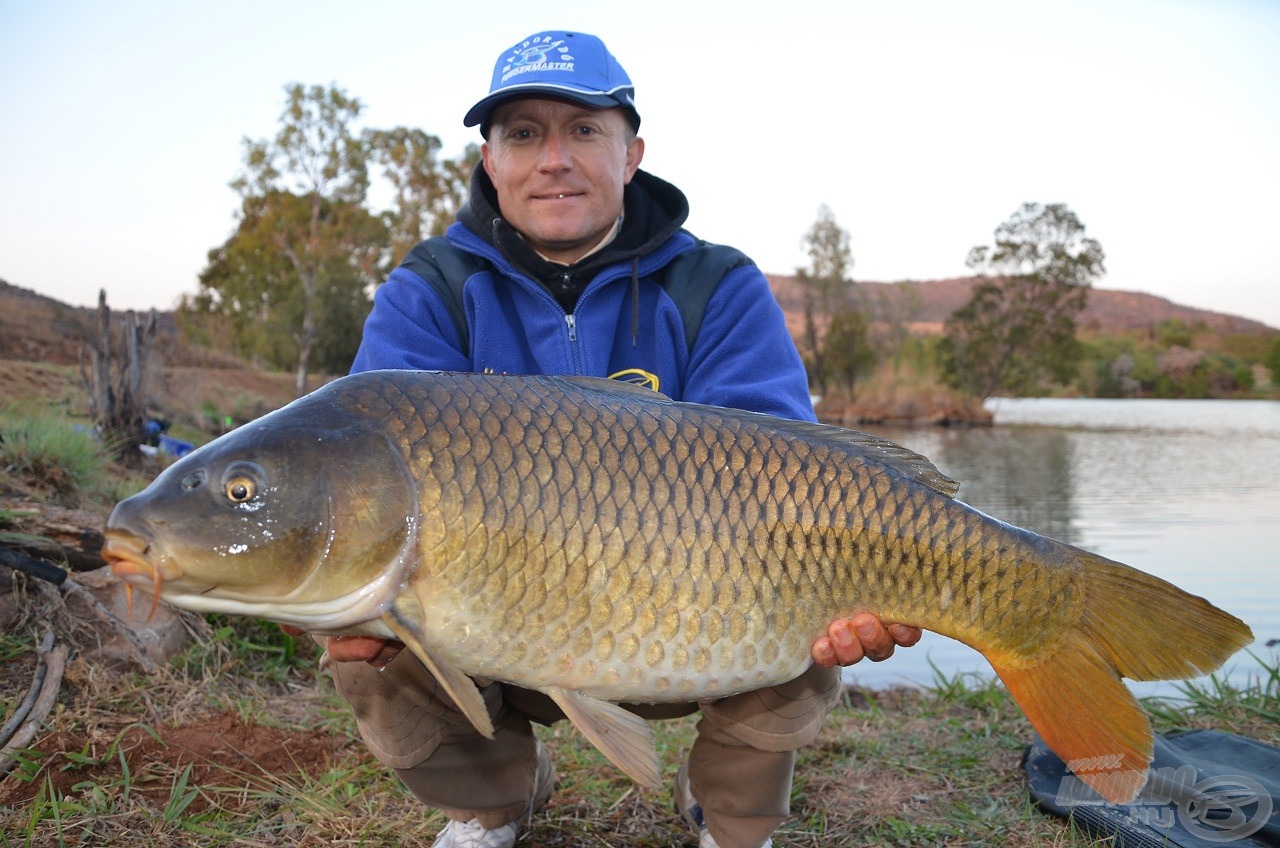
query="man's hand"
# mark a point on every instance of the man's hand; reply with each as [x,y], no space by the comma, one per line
[374,650]
[371,649]
[849,640]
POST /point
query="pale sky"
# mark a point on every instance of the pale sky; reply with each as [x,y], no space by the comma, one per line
[923,125]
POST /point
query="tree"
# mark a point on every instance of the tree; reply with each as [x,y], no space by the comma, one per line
[290,287]
[850,354]
[251,291]
[1017,331]
[1272,360]
[428,191]
[317,157]
[831,315]
[454,188]
[890,309]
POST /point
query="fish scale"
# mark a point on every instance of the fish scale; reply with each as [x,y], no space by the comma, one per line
[703,523]
[602,543]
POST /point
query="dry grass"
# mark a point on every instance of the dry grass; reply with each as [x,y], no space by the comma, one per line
[902,394]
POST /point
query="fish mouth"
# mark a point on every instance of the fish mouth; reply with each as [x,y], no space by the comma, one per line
[128,557]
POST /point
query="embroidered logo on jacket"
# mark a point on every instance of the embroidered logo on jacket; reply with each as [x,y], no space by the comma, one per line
[638,377]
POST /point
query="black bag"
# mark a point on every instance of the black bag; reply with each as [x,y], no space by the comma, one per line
[1206,789]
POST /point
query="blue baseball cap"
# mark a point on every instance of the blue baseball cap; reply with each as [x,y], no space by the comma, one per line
[564,65]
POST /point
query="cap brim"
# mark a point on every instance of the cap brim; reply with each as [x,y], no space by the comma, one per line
[479,113]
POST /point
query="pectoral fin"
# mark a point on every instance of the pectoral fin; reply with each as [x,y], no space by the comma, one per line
[620,735]
[461,688]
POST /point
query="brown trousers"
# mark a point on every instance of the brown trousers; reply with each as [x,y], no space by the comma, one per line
[740,766]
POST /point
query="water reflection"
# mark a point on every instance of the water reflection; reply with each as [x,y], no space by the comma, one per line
[1024,478]
[1187,490]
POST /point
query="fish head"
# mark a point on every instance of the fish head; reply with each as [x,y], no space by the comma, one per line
[304,522]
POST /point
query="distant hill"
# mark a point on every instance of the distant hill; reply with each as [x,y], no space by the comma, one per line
[42,340]
[37,328]
[926,304]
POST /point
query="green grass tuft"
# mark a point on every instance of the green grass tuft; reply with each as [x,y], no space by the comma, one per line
[1251,710]
[60,457]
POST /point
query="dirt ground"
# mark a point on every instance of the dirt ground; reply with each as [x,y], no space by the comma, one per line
[222,749]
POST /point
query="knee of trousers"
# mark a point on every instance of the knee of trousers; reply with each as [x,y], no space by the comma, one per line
[780,718]
[403,713]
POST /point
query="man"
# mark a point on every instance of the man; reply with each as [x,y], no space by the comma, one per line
[568,259]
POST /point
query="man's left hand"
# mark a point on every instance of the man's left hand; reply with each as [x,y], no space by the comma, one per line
[849,640]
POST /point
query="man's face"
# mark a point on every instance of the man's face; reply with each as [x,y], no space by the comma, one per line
[560,169]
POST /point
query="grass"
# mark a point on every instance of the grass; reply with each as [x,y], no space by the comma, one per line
[933,766]
[60,458]
[901,392]
[51,448]
[1252,710]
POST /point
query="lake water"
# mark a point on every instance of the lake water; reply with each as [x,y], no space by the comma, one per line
[1187,490]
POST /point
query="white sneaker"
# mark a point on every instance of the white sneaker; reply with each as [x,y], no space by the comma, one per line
[472,834]
[691,811]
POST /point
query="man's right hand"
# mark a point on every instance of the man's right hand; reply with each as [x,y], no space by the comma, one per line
[374,650]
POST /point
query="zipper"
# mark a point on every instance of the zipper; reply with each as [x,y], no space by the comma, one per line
[572,324]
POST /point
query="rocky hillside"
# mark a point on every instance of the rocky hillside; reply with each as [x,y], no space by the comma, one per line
[43,340]
[926,304]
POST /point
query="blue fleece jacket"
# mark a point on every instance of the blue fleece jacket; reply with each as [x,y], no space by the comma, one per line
[625,325]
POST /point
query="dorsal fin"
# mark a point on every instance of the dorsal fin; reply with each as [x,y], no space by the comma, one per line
[893,455]
[877,449]
[619,388]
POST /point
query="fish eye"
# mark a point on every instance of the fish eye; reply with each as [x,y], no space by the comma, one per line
[241,489]
[242,483]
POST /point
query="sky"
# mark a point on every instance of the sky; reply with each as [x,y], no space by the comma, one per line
[922,124]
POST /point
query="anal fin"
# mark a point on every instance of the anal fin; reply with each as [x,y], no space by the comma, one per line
[622,736]
[1077,702]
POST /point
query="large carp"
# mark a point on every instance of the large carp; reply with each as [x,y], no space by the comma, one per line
[601,543]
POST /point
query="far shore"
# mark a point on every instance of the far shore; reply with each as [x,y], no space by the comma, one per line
[904,411]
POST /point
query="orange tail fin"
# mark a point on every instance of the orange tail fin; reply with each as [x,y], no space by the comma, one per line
[1133,625]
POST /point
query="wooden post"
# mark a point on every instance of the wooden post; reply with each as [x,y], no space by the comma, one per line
[116,378]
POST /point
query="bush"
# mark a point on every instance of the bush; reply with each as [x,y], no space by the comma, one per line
[56,456]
